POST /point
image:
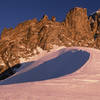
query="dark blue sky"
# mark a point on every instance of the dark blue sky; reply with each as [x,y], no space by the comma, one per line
[13,12]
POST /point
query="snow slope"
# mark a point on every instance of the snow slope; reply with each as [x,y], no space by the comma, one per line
[65,74]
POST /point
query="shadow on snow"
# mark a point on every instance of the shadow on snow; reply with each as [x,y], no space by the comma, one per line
[64,64]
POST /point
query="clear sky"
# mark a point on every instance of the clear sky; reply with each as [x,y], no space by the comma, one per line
[13,12]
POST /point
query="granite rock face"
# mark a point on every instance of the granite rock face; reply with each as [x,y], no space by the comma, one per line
[95,26]
[76,30]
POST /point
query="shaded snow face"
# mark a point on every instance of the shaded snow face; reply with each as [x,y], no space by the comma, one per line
[64,64]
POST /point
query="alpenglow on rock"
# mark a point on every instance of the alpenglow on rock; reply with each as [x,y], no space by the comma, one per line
[22,42]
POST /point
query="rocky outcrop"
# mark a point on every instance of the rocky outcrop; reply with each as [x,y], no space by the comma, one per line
[95,26]
[22,42]
[78,26]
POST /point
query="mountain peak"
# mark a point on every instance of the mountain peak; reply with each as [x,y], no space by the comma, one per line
[22,42]
[98,11]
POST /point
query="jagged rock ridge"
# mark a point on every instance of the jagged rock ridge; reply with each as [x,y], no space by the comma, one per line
[22,42]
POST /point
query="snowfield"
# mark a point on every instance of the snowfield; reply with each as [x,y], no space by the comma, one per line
[62,74]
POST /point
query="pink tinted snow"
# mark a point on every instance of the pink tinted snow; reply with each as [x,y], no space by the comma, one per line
[80,85]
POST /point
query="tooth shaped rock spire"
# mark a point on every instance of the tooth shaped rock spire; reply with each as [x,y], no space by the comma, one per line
[77,21]
[44,18]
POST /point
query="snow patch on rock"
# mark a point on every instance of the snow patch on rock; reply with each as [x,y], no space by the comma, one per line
[39,52]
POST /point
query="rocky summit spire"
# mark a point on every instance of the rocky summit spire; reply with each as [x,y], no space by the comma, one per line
[53,18]
[44,18]
[98,11]
[77,22]
[27,39]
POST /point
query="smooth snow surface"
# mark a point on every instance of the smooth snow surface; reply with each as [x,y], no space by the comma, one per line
[65,74]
